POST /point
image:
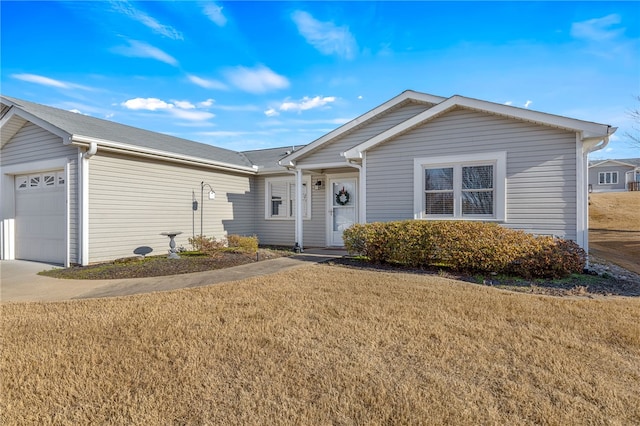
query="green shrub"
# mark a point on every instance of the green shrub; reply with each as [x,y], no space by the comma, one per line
[243,244]
[465,246]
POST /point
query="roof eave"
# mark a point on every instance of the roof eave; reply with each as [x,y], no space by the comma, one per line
[114,146]
[588,130]
[406,95]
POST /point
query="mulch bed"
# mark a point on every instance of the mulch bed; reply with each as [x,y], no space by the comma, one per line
[157,266]
[587,285]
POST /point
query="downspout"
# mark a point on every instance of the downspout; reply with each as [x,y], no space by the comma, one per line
[589,145]
[84,202]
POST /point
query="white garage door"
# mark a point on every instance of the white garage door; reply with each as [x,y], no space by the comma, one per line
[40,224]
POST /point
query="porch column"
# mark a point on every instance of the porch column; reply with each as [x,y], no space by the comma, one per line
[298,218]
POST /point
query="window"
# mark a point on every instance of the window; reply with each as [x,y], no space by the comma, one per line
[607,178]
[49,179]
[281,198]
[34,181]
[22,182]
[466,187]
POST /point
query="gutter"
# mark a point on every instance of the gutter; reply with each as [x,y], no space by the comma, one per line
[110,146]
[597,143]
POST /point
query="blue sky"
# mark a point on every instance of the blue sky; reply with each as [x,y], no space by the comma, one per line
[251,75]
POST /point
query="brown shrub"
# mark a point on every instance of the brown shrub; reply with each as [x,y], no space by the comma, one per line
[465,246]
[243,243]
[207,245]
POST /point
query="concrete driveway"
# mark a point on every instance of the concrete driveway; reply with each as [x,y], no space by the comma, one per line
[20,282]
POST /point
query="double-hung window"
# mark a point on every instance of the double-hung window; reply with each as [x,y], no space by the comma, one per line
[280,202]
[607,178]
[460,187]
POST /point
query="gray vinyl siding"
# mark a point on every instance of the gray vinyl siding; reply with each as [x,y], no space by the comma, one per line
[315,230]
[330,153]
[541,168]
[282,232]
[32,143]
[133,200]
[612,167]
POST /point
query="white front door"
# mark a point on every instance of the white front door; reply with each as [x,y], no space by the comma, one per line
[343,211]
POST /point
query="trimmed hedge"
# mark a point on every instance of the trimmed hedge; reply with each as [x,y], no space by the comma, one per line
[465,246]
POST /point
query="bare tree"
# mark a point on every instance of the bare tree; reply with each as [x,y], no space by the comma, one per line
[634,134]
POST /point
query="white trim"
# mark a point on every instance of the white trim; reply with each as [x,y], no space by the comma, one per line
[16,111]
[582,203]
[7,178]
[319,166]
[83,203]
[599,164]
[329,202]
[108,145]
[587,129]
[609,172]
[306,180]
[404,96]
[299,216]
[363,189]
[500,194]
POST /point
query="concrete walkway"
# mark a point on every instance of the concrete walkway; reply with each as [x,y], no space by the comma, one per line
[20,282]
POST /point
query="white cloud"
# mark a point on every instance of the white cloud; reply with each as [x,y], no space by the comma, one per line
[139,49]
[207,84]
[509,103]
[598,29]
[192,115]
[256,80]
[126,8]
[528,103]
[148,104]
[184,104]
[214,12]
[326,37]
[206,103]
[77,111]
[46,81]
[271,112]
[306,103]
[181,109]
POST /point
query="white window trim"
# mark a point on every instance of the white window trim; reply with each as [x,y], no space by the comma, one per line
[306,180]
[499,159]
[601,174]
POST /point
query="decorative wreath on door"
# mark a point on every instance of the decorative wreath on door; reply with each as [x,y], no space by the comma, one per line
[343,197]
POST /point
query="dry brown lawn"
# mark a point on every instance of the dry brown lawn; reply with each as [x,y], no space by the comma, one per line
[323,345]
[614,228]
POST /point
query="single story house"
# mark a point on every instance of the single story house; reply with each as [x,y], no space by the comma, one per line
[613,175]
[79,190]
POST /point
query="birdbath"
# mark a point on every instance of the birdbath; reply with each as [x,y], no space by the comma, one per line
[173,254]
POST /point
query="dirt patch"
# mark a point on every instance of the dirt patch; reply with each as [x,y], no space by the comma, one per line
[614,228]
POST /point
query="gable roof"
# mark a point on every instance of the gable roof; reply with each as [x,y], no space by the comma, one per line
[402,98]
[629,162]
[79,129]
[588,130]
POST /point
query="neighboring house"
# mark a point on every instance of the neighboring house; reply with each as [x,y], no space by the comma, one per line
[613,175]
[77,189]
